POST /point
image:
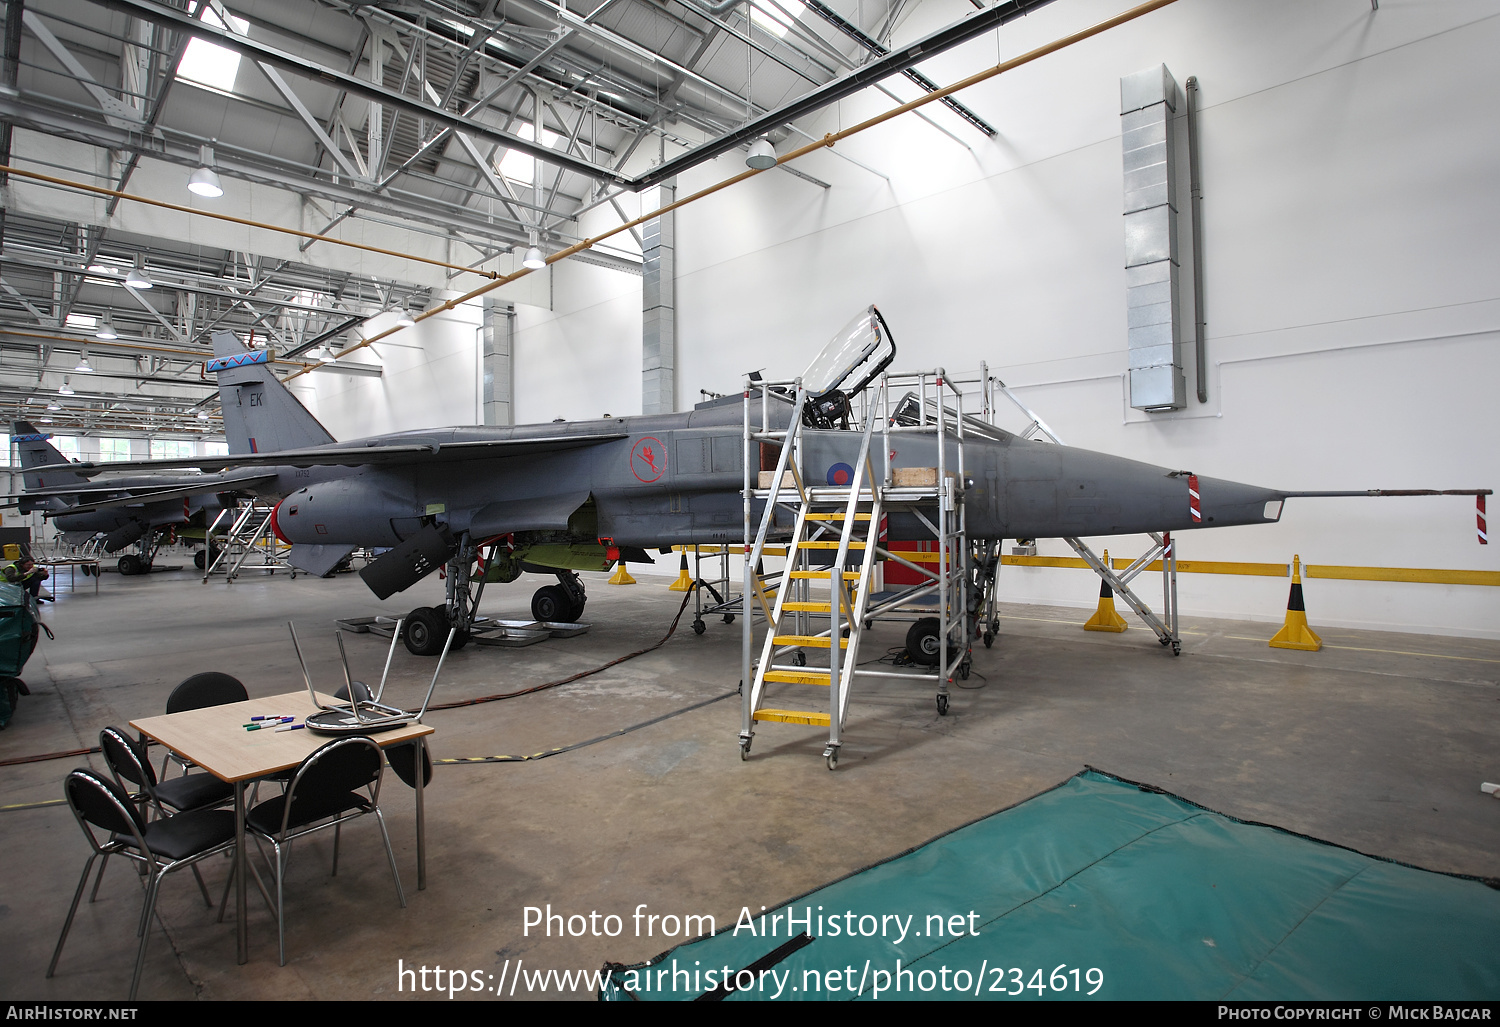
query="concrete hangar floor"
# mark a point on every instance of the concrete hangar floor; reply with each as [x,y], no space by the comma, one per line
[1379,743]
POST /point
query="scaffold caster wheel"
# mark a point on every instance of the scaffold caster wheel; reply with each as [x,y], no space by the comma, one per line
[1165,641]
[942,705]
[963,671]
[729,618]
[744,750]
[1176,647]
[831,757]
[699,627]
[799,659]
[989,639]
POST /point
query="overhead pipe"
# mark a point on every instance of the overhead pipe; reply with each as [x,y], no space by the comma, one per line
[826,142]
[127,347]
[100,190]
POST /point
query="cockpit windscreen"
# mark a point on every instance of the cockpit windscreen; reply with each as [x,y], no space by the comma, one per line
[859,352]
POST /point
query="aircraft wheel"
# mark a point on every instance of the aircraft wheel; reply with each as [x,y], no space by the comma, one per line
[699,627]
[575,614]
[459,640]
[425,631]
[923,643]
[131,564]
[200,559]
[551,603]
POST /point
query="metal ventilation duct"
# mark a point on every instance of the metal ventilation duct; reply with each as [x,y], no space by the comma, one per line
[1148,102]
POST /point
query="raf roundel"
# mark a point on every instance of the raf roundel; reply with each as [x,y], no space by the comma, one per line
[648,459]
[840,474]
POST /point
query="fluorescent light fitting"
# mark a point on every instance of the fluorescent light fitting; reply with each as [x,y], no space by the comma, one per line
[107,329]
[534,259]
[137,279]
[762,155]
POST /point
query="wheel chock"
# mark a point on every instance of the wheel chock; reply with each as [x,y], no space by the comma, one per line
[1105,618]
[621,576]
[1295,634]
[684,582]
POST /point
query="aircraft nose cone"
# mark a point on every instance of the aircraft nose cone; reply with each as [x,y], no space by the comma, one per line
[1224,502]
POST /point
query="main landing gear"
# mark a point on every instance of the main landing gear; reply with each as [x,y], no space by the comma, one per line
[426,628]
[561,602]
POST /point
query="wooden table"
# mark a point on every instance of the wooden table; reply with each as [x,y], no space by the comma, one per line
[216,740]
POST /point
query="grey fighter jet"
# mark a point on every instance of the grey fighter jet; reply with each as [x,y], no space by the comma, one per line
[126,511]
[568,496]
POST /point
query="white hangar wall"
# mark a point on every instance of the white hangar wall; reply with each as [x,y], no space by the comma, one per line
[1351,238]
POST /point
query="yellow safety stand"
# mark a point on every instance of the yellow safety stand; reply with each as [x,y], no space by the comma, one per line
[1295,634]
[1105,618]
[684,582]
[621,576]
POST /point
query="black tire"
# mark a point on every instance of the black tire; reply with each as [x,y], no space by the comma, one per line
[575,614]
[699,627]
[924,642]
[459,640]
[131,564]
[552,603]
[425,631]
[200,559]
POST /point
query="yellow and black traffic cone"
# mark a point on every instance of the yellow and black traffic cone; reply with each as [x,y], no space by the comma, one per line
[1295,634]
[621,576]
[684,582]
[1105,618]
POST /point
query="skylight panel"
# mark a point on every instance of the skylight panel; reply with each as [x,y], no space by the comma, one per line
[209,64]
[774,18]
[521,167]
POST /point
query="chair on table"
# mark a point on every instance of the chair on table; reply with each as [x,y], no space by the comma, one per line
[402,758]
[210,688]
[157,848]
[337,782]
[132,772]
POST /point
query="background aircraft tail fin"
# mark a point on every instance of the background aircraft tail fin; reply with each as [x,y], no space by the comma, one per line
[260,414]
[42,467]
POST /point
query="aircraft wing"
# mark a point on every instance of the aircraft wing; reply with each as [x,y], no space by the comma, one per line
[107,489]
[148,495]
[359,456]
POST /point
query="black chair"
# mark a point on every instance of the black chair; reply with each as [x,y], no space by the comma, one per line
[339,781]
[157,848]
[127,761]
[210,688]
[402,758]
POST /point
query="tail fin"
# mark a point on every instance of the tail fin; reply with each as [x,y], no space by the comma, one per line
[260,414]
[42,466]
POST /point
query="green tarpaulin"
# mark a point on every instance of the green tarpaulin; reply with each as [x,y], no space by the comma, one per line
[1106,887]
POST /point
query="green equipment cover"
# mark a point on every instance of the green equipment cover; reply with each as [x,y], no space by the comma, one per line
[1102,888]
[18,634]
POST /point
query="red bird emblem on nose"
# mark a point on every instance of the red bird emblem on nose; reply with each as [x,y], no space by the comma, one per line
[648,460]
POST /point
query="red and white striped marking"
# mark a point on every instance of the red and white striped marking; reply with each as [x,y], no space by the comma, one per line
[1484,538]
[1193,499]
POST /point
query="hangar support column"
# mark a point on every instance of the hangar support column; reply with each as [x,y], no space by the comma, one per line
[499,332]
[659,307]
